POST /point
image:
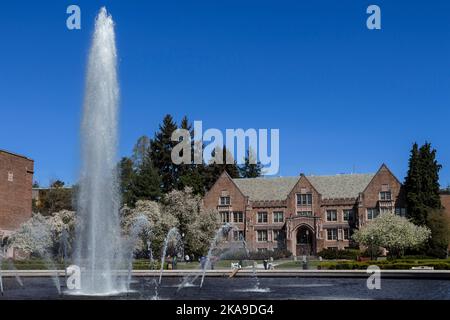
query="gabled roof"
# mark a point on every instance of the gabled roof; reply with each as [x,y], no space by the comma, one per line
[330,187]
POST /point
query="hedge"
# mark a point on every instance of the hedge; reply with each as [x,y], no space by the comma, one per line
[386,265]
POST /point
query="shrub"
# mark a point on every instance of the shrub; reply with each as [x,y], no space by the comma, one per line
[330,254]
[385,265]
[256,255]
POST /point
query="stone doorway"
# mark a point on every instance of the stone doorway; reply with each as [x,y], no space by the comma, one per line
[304,241]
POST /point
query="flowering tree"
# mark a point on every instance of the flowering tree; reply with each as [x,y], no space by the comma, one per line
[392,232]
[158,223]
[180,209]
[41,234]
[62,225]
[196,226]
[62,220]
[33,236]
[147,221]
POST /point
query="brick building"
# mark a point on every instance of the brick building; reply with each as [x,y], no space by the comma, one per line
[304,214]
[16,180]
[445,200]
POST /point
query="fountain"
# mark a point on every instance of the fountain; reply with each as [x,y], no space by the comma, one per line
[220,234]
[139,225]
[98,239]
[12,267]
[172,235]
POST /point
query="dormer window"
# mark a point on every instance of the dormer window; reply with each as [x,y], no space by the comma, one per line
[304,199]
[385,195]
[225,201]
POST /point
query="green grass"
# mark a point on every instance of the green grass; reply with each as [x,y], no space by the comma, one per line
[312,264]
[143,264]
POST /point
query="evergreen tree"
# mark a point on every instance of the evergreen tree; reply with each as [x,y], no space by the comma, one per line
[439,224]
[422,183]
[147,182]
[251,168]
[160,153]
[191,175]
[214,170]
[127,175]
[416,210]
[430,176]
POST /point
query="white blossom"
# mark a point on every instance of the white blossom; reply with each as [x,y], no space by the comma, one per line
[392,232]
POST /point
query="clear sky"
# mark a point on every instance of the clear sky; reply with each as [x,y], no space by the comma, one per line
[344,98]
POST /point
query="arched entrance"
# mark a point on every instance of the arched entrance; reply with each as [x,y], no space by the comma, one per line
[304,241]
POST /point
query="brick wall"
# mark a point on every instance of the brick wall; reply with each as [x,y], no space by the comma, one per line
[16,180]
[370,196]
[445,200]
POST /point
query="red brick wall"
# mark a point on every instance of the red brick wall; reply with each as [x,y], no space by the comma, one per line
[291,237]
[15,196]
[225,186]
[253,226]
[445,201]
[370,196]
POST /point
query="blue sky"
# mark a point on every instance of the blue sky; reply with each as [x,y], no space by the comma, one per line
[344,97]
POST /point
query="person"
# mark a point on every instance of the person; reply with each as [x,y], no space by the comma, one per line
[203,262]
[186,258]
[305,263]
[174,263]
[265,264]
[169,262]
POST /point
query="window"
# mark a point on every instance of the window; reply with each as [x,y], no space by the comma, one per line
[385,195]
[346,234]
[262,235]
[10,176]
[305,213]
[331,234]
[238,217]
[348,215]
[331,215]
[238,235]
[372,213]
[400,212]
[278,217]
[225,216]
[276,235]
[224,201]
[262,217]
[304,199]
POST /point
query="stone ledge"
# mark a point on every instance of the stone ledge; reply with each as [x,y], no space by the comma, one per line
[404,274]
